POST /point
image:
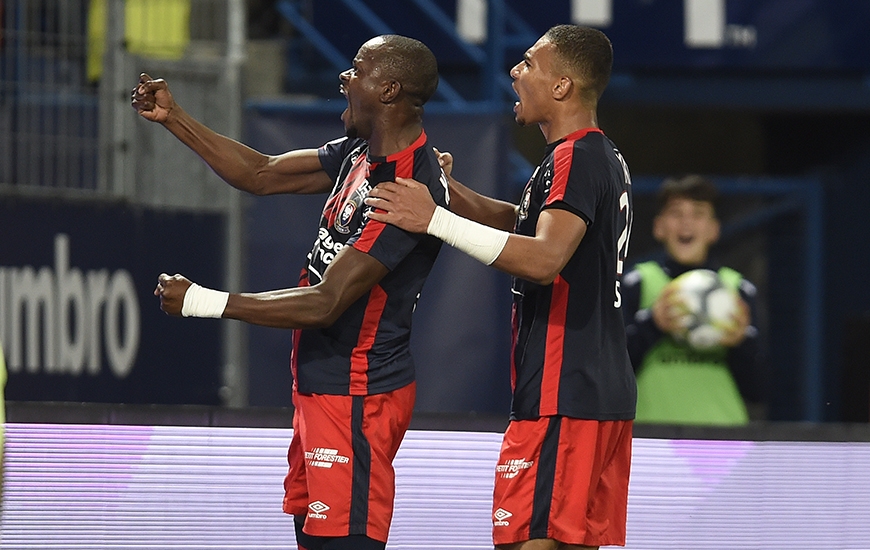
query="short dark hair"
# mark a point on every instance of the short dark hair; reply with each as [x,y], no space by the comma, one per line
[587,52]
[410,63]
[692,187]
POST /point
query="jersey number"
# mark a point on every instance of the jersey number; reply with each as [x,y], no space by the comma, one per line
[624,237]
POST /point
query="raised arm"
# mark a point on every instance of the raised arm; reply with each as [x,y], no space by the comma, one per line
[244,168]
[349,276]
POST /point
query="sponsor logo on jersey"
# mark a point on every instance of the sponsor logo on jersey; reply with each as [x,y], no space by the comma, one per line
[324,251]
[512,467]
[500,516]
[317,508]
[320,457]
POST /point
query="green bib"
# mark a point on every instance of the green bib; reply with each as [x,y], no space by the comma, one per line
[680,385]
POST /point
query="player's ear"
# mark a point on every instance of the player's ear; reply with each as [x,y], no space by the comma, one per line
[390,91]
[562,88]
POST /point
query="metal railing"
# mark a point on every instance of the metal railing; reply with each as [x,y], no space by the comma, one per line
[66,71]
[67,129]
[48,109]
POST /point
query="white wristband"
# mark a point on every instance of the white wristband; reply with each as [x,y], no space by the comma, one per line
[204,302]
[479,241]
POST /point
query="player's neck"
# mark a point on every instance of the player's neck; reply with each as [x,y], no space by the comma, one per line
[560,126]
[388,139]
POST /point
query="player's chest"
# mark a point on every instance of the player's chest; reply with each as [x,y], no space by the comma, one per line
[345,209]
[534,197]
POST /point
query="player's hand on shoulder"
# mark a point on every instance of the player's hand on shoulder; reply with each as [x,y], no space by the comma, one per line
[171,290]
[151,99]
[405,203]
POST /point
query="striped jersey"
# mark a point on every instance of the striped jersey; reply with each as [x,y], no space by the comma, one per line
[569,354]
[367,350]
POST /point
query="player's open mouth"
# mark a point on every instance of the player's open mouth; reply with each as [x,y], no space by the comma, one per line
[343,91]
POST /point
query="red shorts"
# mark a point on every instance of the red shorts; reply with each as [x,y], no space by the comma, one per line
[564,479]
[341,474]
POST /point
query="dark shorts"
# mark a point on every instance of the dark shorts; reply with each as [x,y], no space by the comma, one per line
[341,474]
[563,479]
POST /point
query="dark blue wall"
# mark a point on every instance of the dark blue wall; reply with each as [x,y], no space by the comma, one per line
[175,362]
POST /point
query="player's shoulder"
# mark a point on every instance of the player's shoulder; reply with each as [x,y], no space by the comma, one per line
[592,149]
[426,163]
[345,146]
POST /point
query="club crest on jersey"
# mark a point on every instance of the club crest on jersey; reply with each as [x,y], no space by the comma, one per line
[342,221]
[523,212]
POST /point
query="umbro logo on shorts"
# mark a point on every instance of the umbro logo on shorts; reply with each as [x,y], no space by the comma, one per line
[500,516]
[317,508]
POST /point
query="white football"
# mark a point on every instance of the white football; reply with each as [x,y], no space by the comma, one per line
[707,306]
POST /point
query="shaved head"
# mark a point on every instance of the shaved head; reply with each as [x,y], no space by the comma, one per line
[407,61]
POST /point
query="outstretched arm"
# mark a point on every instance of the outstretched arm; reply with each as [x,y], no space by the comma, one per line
[349,276]
[244,168]
[408,205]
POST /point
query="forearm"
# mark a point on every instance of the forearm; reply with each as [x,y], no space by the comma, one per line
[245,168]
[293,308]
[482,209]
[349,277]
[539,258]
[234,162]
[531,258]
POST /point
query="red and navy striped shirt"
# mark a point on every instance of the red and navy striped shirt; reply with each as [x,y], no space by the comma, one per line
[569,355]
[366,351]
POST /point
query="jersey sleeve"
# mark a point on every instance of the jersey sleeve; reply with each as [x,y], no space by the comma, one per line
[333,153]
[387,243]
[576,177]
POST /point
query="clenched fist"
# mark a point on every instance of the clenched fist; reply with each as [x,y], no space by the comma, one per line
[152,100]
[171,290]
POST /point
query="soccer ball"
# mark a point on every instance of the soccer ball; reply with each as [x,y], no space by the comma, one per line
[707,307]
